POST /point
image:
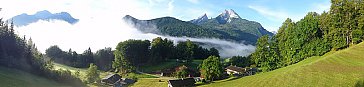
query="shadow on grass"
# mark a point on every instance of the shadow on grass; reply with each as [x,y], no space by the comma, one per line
[234,78]
[359,83]
[223,80]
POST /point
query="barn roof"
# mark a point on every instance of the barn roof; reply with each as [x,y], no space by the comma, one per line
[182,82]
[111,79]
[234,68]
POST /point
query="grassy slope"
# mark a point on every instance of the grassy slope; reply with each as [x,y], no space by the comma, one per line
[170,64]
[73,69]
[151,82]
[82,72]
[143,78]
[334,69]
[16,78]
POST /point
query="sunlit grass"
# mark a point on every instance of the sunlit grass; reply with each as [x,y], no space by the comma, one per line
[81,70]
[170,64]
[335,69]
[151,82]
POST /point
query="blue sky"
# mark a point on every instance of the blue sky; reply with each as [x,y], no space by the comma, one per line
[102,19]
[270,13]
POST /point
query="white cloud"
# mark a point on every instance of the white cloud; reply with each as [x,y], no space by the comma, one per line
[100,23]
[226,48]
[194,13]
[271,28]
[97,34]
[170,7]
[94,33]
[280,15]
[320,7]
[272,14]
[193,1]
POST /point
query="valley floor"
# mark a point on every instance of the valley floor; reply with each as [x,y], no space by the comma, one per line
[341,68]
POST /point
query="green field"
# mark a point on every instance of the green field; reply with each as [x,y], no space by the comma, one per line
[16,78]
[151,82]
[170,64]
[82,72]
[162,81]
[142,78]
[335,69]
[73,69]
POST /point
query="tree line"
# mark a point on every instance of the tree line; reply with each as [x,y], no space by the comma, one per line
[314,35]
[102,58]
[131,54]
[22,54]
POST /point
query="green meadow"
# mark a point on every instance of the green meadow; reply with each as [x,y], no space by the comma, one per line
[342,68]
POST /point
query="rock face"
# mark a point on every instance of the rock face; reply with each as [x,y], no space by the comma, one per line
[230,22]
[227,16]
[25,19]
[200,20]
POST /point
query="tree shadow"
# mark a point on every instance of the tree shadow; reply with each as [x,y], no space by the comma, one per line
[359,83]
[229,79]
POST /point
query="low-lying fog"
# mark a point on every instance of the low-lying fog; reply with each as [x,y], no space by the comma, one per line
[99,33]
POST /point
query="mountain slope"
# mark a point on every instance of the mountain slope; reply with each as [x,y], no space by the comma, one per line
[173,27]
[340,68]
[228,26]
[229,20]
[25,19]
[16,78]
[227,16]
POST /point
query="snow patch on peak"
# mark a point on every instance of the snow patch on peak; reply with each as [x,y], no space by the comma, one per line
[227,16]
[232,13]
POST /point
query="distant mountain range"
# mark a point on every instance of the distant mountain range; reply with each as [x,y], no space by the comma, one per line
[228,26]
[25,19]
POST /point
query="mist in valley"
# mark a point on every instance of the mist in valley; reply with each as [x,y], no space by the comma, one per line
[98,33]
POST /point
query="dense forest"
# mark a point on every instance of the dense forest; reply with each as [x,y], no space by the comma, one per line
[314,35]
[102,58]
[22,54]
[131,54]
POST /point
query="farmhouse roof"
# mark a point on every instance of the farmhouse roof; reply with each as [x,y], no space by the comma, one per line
[234,68]
[111,79]
[187,82]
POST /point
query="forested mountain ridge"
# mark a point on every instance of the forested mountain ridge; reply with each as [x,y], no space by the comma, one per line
[235,29]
